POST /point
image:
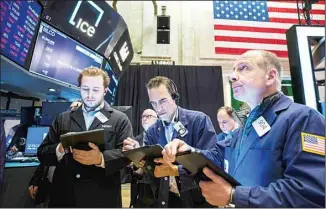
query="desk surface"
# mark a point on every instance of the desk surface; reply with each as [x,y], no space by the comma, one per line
[20,165]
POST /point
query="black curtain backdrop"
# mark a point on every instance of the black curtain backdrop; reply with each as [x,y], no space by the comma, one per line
[200,88]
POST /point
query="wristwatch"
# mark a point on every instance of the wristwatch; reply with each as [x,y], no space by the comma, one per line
[231,201]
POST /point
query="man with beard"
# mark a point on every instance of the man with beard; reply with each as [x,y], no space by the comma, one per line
[87,177]
[140,191]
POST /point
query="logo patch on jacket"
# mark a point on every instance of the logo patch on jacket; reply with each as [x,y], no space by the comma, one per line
[313,143]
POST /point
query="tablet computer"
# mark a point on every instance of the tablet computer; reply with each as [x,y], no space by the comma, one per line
[195,161]
[138,154]
[79,140]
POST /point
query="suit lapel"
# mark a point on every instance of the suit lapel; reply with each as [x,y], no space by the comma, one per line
[78,117]
[183,120]
[161,134]
[182,117]
[270,116]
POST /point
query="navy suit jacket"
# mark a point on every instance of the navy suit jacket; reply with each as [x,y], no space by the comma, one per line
[201,135]
[273,169]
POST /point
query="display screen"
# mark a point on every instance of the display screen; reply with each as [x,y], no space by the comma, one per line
[50,110]
[59,57]
[19,22]
[113,86]
[35,136]
[92,22]
[95,24]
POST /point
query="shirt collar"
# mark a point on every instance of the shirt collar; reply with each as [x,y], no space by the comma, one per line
[93,111]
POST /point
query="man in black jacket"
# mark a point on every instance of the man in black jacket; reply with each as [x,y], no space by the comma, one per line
[44,174]
[148,118]
[140,191]
[87,178]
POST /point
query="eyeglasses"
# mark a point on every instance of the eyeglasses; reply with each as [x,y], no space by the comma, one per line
[147,116]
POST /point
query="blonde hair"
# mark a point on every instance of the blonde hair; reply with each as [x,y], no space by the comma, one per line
[94,71]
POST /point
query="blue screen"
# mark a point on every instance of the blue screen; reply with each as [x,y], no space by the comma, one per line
[35,136]
[19,21]
[59,57]
[113,86]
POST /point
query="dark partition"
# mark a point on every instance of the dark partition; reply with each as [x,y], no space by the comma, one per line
[200,88]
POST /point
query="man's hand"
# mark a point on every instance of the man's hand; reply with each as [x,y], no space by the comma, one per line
[171,149]
[129,144]
[32,191]
[165,169]
[91,157]
[14,149]
[216,192]
[60,149]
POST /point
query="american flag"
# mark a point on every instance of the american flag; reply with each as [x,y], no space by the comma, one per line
[243,25]
[313,143]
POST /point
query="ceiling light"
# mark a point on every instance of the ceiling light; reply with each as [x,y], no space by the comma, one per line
[51,89]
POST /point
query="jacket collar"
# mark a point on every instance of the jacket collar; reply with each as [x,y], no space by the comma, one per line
[270,115]
[182,116]
[78,117]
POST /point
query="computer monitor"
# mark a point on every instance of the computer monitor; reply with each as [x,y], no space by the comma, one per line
[19,24]
[35,136]
[50,110]
[61,58]
[30,115]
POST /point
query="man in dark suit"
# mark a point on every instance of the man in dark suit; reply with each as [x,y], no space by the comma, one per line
[45,172]
[148,118]
[87,176]
[140,192]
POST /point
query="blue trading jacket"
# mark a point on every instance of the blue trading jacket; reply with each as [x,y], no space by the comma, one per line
[273,169]
[201,135]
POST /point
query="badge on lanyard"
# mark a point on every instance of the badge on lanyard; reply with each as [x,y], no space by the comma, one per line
[226,165]
[181,130]
[101,117]
[261,126]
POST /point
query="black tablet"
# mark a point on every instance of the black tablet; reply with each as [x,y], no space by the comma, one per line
[79,140]
[195,161]
[138,154]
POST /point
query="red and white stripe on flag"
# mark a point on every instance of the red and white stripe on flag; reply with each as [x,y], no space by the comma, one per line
[236,36]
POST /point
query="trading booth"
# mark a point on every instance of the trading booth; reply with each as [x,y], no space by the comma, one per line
[44,46]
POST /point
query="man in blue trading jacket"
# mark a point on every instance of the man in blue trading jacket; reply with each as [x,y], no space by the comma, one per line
[228,121]
[278,156]
[87,177]
[193,127]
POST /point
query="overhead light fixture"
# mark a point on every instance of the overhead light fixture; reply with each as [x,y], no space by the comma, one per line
[51,89]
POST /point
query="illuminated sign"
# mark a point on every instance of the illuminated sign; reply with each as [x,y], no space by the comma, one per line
[96,25]
[83,25]
[163,62]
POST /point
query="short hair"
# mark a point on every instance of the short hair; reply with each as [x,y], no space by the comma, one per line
[232,113]
[161,80]
[269,60]
[94,71]
[229,110]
